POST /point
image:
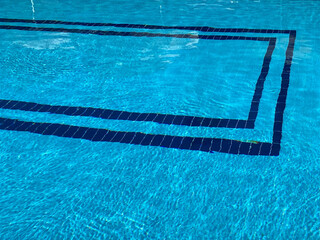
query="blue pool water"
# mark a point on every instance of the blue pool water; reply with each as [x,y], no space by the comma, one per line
[185,119]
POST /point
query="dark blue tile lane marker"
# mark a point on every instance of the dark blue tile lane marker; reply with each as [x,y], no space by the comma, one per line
[281,102]
[146,26]
[124,115]
[133,34]
[137,138]
[253,113]
[154,117]
[191,143]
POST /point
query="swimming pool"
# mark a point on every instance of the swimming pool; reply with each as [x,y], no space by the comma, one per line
[159,120]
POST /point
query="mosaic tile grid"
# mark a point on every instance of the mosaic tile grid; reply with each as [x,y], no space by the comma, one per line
[191,143]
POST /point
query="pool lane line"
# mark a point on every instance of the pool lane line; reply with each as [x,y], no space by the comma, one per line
[180,120]
[282,98]
[253,113]
[147,26]
[133,34]
[137,138]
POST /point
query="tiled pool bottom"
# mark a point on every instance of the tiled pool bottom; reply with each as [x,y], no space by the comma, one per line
[190,143]
[73,188]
